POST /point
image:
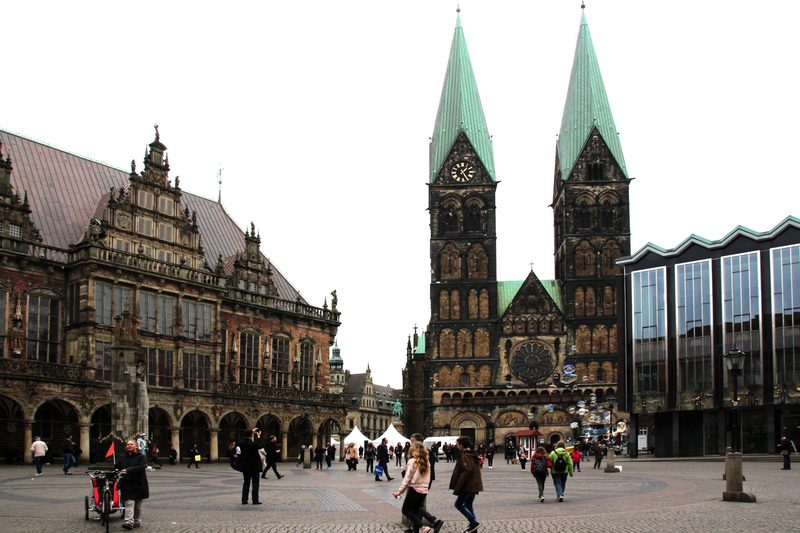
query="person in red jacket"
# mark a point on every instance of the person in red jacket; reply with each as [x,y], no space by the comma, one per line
[576,458]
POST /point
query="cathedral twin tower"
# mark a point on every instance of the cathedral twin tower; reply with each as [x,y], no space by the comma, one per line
[499,356]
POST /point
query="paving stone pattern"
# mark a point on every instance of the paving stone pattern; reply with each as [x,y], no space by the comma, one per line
[660,496]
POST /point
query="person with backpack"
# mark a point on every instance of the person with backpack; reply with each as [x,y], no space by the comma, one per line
[562,467]
[540,465]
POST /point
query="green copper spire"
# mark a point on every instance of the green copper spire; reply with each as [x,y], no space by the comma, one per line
[586,108]
[460,110]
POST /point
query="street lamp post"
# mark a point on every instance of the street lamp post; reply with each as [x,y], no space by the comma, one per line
[734,488]
[610,467]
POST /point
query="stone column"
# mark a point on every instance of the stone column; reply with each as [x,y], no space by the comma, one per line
[84,442]
[28,441]
[285,446]
[176,442]
[213,452]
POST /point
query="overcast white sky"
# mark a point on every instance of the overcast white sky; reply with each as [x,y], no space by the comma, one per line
[320,113]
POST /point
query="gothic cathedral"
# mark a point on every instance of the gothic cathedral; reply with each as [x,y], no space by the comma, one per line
[503,361]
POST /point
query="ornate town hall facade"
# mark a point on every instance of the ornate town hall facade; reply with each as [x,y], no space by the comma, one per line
[128,305]
[491,363]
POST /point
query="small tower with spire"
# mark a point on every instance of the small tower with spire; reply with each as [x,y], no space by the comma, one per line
[337,379]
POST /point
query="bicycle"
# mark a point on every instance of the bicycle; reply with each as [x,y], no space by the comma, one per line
[105,498]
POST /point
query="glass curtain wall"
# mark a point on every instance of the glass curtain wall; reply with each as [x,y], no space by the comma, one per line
[786,318]
[741,313]
[648,289]
[694,325]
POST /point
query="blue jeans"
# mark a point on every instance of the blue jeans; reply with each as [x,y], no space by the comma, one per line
[69,462]
[250,478]
[560,482]
[464,506]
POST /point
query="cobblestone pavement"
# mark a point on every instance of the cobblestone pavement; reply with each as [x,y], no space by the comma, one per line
[663,496]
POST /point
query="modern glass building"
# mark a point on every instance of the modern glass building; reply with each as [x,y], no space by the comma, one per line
[687,307]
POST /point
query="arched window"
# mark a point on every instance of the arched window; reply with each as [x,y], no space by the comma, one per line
[600,340]
[612,339]
[455,305]
[475,216]
[444,305]
[447,343]
[472,304]
[464,344]
[591,302]
[608,256]
[481,342]
[609,301]
[449,217]
[584,259]
[580,302]
[483,304]
[583,340]
[450,262]
[477,262]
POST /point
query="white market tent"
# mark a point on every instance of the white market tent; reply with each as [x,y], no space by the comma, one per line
[392,436]
[356,437]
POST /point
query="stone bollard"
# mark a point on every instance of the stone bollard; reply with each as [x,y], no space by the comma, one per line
[734,486]
[610,468]
[307,457]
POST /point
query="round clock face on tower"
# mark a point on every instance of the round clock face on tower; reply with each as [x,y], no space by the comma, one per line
[532,362]
[462,171]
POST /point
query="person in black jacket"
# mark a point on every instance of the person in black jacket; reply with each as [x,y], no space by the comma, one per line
[272,452]
[133,486]
[383,459]
[251,465]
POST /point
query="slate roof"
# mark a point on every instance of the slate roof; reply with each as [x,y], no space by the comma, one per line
[460,110]
[586,108]
[355,386]
[64,191]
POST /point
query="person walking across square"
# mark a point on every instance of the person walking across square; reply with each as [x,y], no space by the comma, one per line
[562,467]
[39,451]
[465,482]
[383,459]
[417,480]
[132,466]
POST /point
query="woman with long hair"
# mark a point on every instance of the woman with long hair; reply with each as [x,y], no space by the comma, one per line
[416,480]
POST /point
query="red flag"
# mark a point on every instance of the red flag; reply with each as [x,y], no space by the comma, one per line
[110,451]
